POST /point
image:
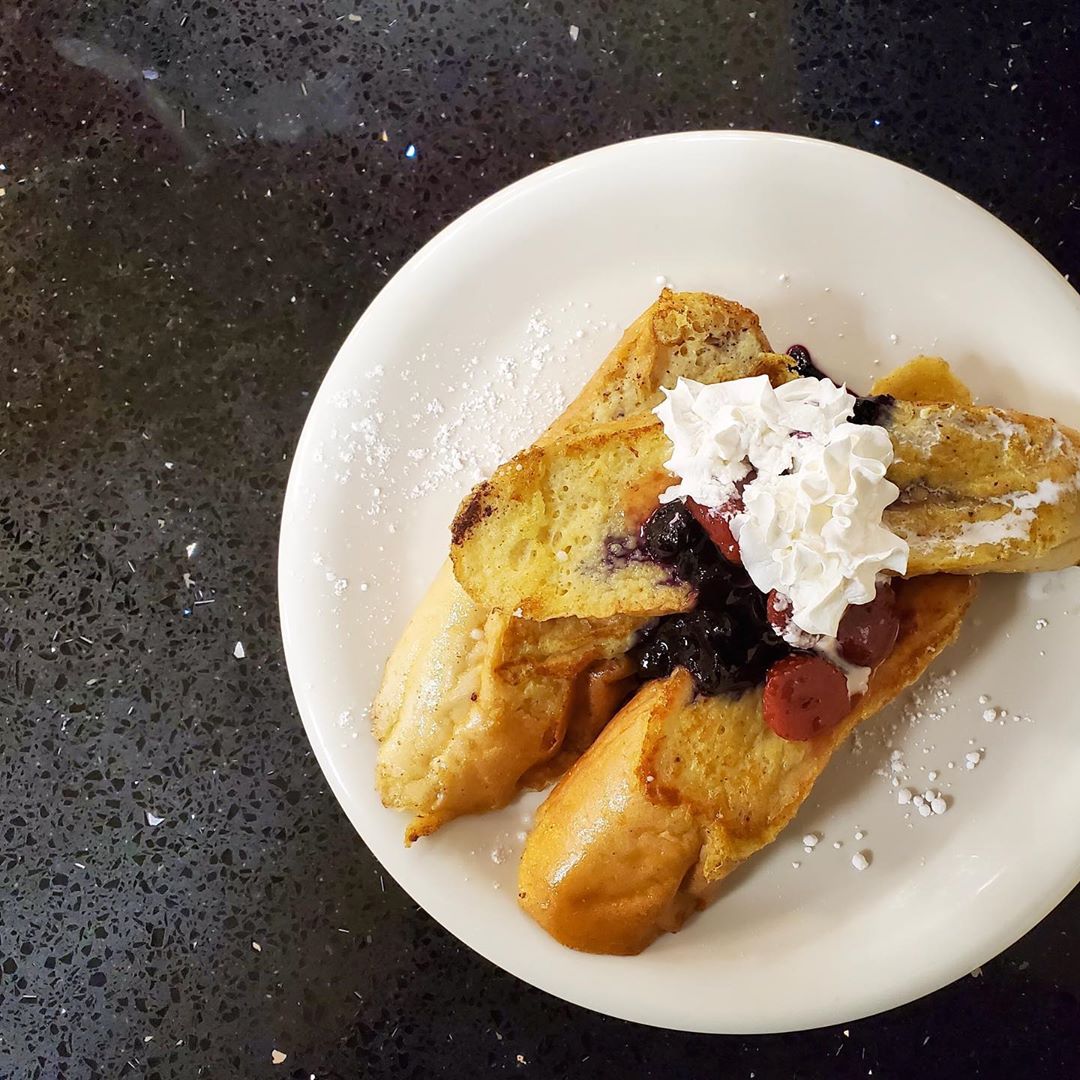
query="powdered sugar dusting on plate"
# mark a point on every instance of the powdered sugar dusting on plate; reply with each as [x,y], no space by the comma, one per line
[488,408]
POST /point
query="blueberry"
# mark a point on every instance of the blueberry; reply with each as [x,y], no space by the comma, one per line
[716,576]
[874,409]
[804,362]
[687,565]
[717,625]
[654,659]
[706,672]
[668,531]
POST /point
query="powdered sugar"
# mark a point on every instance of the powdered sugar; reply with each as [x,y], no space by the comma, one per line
[448,442]
[919,786]
[924,708]
[1000,716]
[1015,523]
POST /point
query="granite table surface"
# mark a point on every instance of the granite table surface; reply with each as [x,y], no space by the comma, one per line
[198,198]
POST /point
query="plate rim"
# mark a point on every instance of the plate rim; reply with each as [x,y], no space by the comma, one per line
[963,960]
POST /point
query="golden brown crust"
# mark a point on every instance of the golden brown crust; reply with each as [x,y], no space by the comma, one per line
[603,865]
[550,518]
[924,378]
[984,489]
[694,335]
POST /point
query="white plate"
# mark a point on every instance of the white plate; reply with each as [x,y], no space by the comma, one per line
[474,346]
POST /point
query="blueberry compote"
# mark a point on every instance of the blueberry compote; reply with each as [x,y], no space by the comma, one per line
[726,642]
[872,409]
[804,363]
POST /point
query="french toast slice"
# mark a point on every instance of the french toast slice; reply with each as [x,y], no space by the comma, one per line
[484,704]
[981,490]
[678,790]
[555,529]
[476,705]
[984,490]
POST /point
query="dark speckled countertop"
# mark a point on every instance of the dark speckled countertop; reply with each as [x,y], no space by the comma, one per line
[197,200]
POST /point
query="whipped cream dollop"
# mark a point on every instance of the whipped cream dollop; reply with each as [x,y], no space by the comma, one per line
[805,488]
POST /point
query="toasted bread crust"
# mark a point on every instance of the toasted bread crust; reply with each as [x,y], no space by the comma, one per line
[495,704]
[693,335]
[475,508]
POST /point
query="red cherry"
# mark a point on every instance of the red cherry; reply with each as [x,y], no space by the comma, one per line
[868,632]
[717,525]
[804,696]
